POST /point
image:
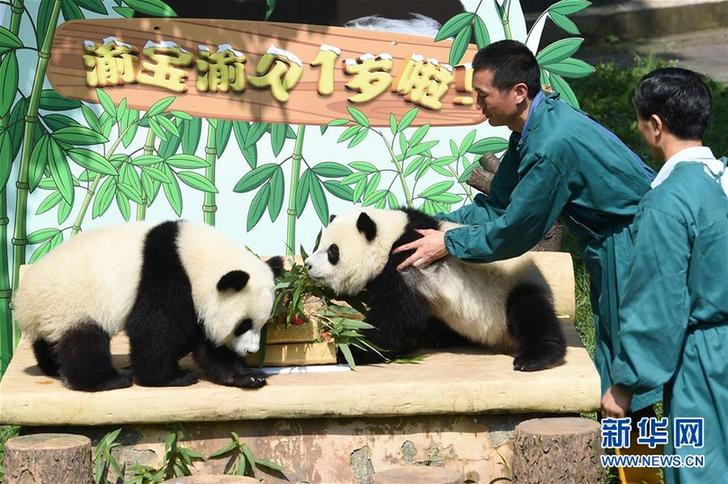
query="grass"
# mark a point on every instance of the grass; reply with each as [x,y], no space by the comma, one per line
[6,433]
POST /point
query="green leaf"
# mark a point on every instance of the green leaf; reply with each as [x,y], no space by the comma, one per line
[155,174]
[558,51]
[419,134]
[564,22]
[16,126]
[318,198]
[358,116]
[182,115]
[106,102]
[8,82]
[156,8]
[448,198]
[187,161]
[91,119]
[40,252]
[6,160]
[346,351]
[123,203]
[64,210]
[363,166]
[169,144]
[407,119]
[197,181]
[222,136]
[191,130]
[147,160]
[78,135]
[266,463]
[172,191]
[460,45]
[378,196]
[373,184]
[60,171]
[92,5]
[349,133]
[132,118]
[225,450]
[453,26]
[437,189]
[213,122]
[467,143]
[42,235]
[392,123]
[50,100]
[562,87]
[359,190]
[257,206]
[166,124]
[330,169]
[422,147]
[414,165]
[104,196]
[466,173]
[257,130]
[568,7]
[270,5]
[125,12]
[43,19]
[359,137]
[151,186]
[58,121]
[130,178]
[302,191]
[91,160]
[160,106]
[353,178]
[277,190]
[482,39]
[255,178]
[339,191]
[392,201]
[9,40]
[277,137]
[572,68]
[71,11]
[489,145]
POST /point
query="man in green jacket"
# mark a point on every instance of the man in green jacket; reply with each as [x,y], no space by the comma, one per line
[560,164]
[674,313]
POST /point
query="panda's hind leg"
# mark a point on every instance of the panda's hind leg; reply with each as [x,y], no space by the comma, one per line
[84,360]
[535,329]
[45,356]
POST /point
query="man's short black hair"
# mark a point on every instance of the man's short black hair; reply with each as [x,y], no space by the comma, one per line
[512,63]
[679,97]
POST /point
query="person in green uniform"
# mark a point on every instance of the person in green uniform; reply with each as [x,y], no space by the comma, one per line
[560,164]
[674,312]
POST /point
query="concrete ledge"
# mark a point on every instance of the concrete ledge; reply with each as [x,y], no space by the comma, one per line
[445,383]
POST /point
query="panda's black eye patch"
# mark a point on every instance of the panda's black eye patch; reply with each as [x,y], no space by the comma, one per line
[333,254]
[243,327]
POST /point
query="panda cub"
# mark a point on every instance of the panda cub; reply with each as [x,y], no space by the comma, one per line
[175,288]
[503,305]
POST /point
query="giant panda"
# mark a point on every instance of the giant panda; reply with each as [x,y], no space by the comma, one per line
[504,305]
[175,287]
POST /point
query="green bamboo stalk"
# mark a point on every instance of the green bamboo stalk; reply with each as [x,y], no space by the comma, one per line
[6,325]
[400,171]
[20,240]
[504,19]
[141,212]
[295,174]
[209,208]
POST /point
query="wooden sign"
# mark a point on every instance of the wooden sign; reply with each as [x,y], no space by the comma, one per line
[262,71]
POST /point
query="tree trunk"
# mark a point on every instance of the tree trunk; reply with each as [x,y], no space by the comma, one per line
[417,474]
[41,458]
[562,449]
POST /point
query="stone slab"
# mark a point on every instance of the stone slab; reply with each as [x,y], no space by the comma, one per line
[459,381]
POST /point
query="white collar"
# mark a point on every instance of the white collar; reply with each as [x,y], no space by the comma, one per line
[700,154]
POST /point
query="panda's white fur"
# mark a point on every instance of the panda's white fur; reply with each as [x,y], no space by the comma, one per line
[95,276]
[469,298]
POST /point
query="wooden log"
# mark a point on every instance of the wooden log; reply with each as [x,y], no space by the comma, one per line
[562,449]
[552,241]
[418,474]
[480,180]
[489,162]
[56,458]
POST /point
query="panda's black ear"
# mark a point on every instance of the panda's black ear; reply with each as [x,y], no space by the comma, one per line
[332,217]
[276,263]
[233,280]
[366,226]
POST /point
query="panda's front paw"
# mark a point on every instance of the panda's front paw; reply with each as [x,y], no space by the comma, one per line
[183,379]
[251,379]
[548,356]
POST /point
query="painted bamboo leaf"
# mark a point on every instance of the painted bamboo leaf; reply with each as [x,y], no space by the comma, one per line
[318,198]
[222,136]
[375,197]
[339,191]
[130,177]
[564,22]
[60,171]
[58,121]
[169,144]
[414,165]
[482,38]
[460,45]
[187,161]
[572,68]
[191,130]
[6,160]
[124,12]
[71,11]
[422,147]
[363,166]
[38,162]
[91,160]
[277,191]
[166,124]
[437,188]
[562,87]
[466,143]
[257,130]
[277,137]
[40,252]
[372,185]
[448,198]
[419,135]
[42,19]
[302,192]
[16,126]
[49,202]
[568,7]
[123,203]
[172,191]
[489,145]
[42,235]
[132,125]
[50,100]
[8,82]
[92,5]
[128,194]
[78,135]
[330,169]
[255,178]
[257,207]
[442,171]
[106,103]
[407,119]
[349,132]
[558,51]
[159,107]
[359,117]
[359,137]
[453,26]
[241,130]
[91,119]
[151,186]
[334,122]
[103,198]
[9,40]
[466,173]
[147,160]
[359,189]
[64,210]
[197,181]
[353,178]
[156,8]
[392,123]
[154,174]
[182,115]
[392,201]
